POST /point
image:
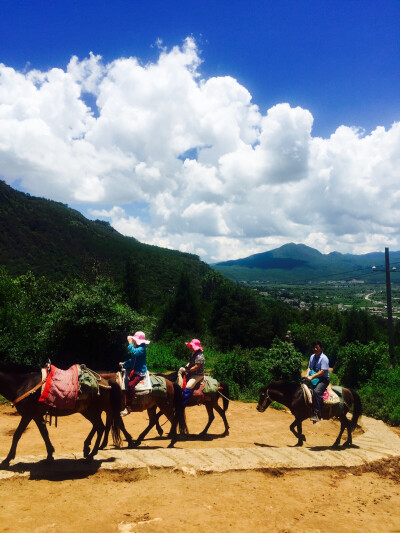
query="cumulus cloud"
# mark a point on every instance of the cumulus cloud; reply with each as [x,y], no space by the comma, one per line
[220,177]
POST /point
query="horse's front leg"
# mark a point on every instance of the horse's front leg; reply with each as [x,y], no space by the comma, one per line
[39,421]
[23,424]
[299,433]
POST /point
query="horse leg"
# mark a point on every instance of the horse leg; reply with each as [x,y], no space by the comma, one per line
[98,426]
[211,416]
[343,424]
[39,421]
[159,429]
[152,423]
[222,414]
[299,433]
[23,424]
[349,440]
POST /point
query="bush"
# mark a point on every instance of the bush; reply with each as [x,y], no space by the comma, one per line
[381,395]
[162,357]
[357,362]
[246,371]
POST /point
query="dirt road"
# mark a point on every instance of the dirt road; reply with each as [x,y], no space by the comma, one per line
[63,498]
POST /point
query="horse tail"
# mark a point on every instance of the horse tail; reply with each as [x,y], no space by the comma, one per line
[357,409]
[224,392]
[115,400]
[179,409]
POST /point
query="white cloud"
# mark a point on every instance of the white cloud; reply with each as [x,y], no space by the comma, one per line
[218,177]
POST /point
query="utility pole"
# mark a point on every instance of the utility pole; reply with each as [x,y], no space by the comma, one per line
[389,308]
[389,305]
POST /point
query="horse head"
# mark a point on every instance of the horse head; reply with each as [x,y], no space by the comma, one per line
[264,400]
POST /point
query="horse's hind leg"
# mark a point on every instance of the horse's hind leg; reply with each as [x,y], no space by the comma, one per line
[211,417]
[17,435]
[45,435]
[98,427]
[222,414]
[349,441]
[343,423]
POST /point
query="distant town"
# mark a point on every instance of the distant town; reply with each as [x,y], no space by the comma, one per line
[341,295]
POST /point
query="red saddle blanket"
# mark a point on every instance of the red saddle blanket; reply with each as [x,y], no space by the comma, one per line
[61,388]
[198,390]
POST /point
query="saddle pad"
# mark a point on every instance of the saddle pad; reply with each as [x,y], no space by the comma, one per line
[330,397]
[61,388]
[144,385]
[211,385]
[159,385]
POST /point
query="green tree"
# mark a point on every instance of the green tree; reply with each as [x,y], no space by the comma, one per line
[182,315]
[357,362]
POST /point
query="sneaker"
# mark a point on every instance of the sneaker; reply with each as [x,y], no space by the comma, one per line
[124,412]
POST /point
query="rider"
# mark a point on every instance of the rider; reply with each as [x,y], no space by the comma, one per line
[135,366]
[318,368]
[194,369]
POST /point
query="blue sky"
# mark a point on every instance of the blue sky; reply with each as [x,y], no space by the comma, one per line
[335,64]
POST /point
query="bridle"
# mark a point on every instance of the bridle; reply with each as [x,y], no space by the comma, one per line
[266,399]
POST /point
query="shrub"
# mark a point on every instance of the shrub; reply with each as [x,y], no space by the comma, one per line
[381,395]
[357,362]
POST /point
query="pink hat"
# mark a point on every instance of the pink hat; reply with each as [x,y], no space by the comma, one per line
[139,337]
[194,344]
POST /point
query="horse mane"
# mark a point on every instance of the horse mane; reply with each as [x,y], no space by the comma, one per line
[17,368]
[283,385]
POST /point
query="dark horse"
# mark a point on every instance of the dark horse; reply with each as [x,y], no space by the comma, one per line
[291,395]
[171,406]
[21,385]
[210,401]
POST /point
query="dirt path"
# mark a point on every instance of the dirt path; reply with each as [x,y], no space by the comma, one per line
[64,498]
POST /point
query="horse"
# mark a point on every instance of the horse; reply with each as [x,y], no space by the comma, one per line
[21,385]
[291,396]
[171,406]
[210,401]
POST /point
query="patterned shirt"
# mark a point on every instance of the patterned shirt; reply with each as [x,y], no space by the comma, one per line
[197,358]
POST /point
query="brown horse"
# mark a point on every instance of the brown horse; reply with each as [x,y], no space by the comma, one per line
[210,401]
[170,405]
[291,396]
[21,385]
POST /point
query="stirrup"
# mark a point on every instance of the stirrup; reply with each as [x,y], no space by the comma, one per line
[125,412]
[315,418]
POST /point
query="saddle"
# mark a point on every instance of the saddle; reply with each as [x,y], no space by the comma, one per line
[204,387]
[331,397]
[62,388]
[141,389]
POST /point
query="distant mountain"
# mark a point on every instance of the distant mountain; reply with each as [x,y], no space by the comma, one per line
[300,263]
[51,239]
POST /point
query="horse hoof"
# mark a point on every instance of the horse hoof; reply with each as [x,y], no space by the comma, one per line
[225,433]
[171,444]
[299,444]
[49,459]
[4,464]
